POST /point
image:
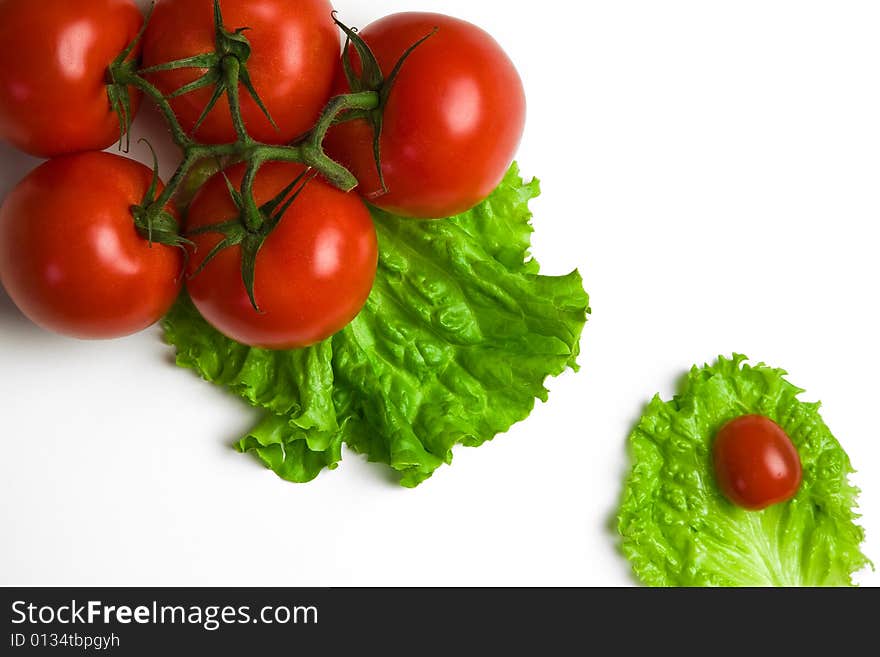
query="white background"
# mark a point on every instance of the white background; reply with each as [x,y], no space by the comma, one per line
[713,168]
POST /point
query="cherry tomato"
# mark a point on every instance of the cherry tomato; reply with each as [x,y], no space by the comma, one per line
[70,256]
[453,121]
[54,56]
[313,273]
[295,48]
[756,464]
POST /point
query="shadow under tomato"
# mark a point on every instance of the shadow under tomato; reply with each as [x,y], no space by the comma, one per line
[14,165]
[21,335]
[10,316]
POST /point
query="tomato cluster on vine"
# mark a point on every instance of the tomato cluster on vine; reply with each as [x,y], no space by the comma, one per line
[417,114]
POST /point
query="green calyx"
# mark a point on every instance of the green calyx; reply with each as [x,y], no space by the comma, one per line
[232,51]
[372,79]
[118,87]
[120,101]
[153,221]
[251,227]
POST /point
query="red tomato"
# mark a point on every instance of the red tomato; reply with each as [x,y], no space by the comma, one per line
[54,56]
[295,47]
[756,464]
[70,256]
[452,124]
[313,273]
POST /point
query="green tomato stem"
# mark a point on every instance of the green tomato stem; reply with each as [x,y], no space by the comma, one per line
[253,218]
[307,150]
[176,180]
[226,69]
[125,75]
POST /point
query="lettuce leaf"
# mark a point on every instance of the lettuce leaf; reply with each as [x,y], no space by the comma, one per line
[298,436]
[453,347]
[678,529]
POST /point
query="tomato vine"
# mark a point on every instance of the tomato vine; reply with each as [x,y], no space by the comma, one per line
[227,71]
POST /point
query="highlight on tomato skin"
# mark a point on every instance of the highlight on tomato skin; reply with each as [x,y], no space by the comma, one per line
[756,463]
[54,58]
[71,257]
[453,122]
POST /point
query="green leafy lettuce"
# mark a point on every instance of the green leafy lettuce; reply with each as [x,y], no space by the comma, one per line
[453,347]
[679,530]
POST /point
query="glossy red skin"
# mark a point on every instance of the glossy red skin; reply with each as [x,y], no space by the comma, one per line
[295,48]
[314,272]
[70,256]
[452,124]
[54,56]
[756,464]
